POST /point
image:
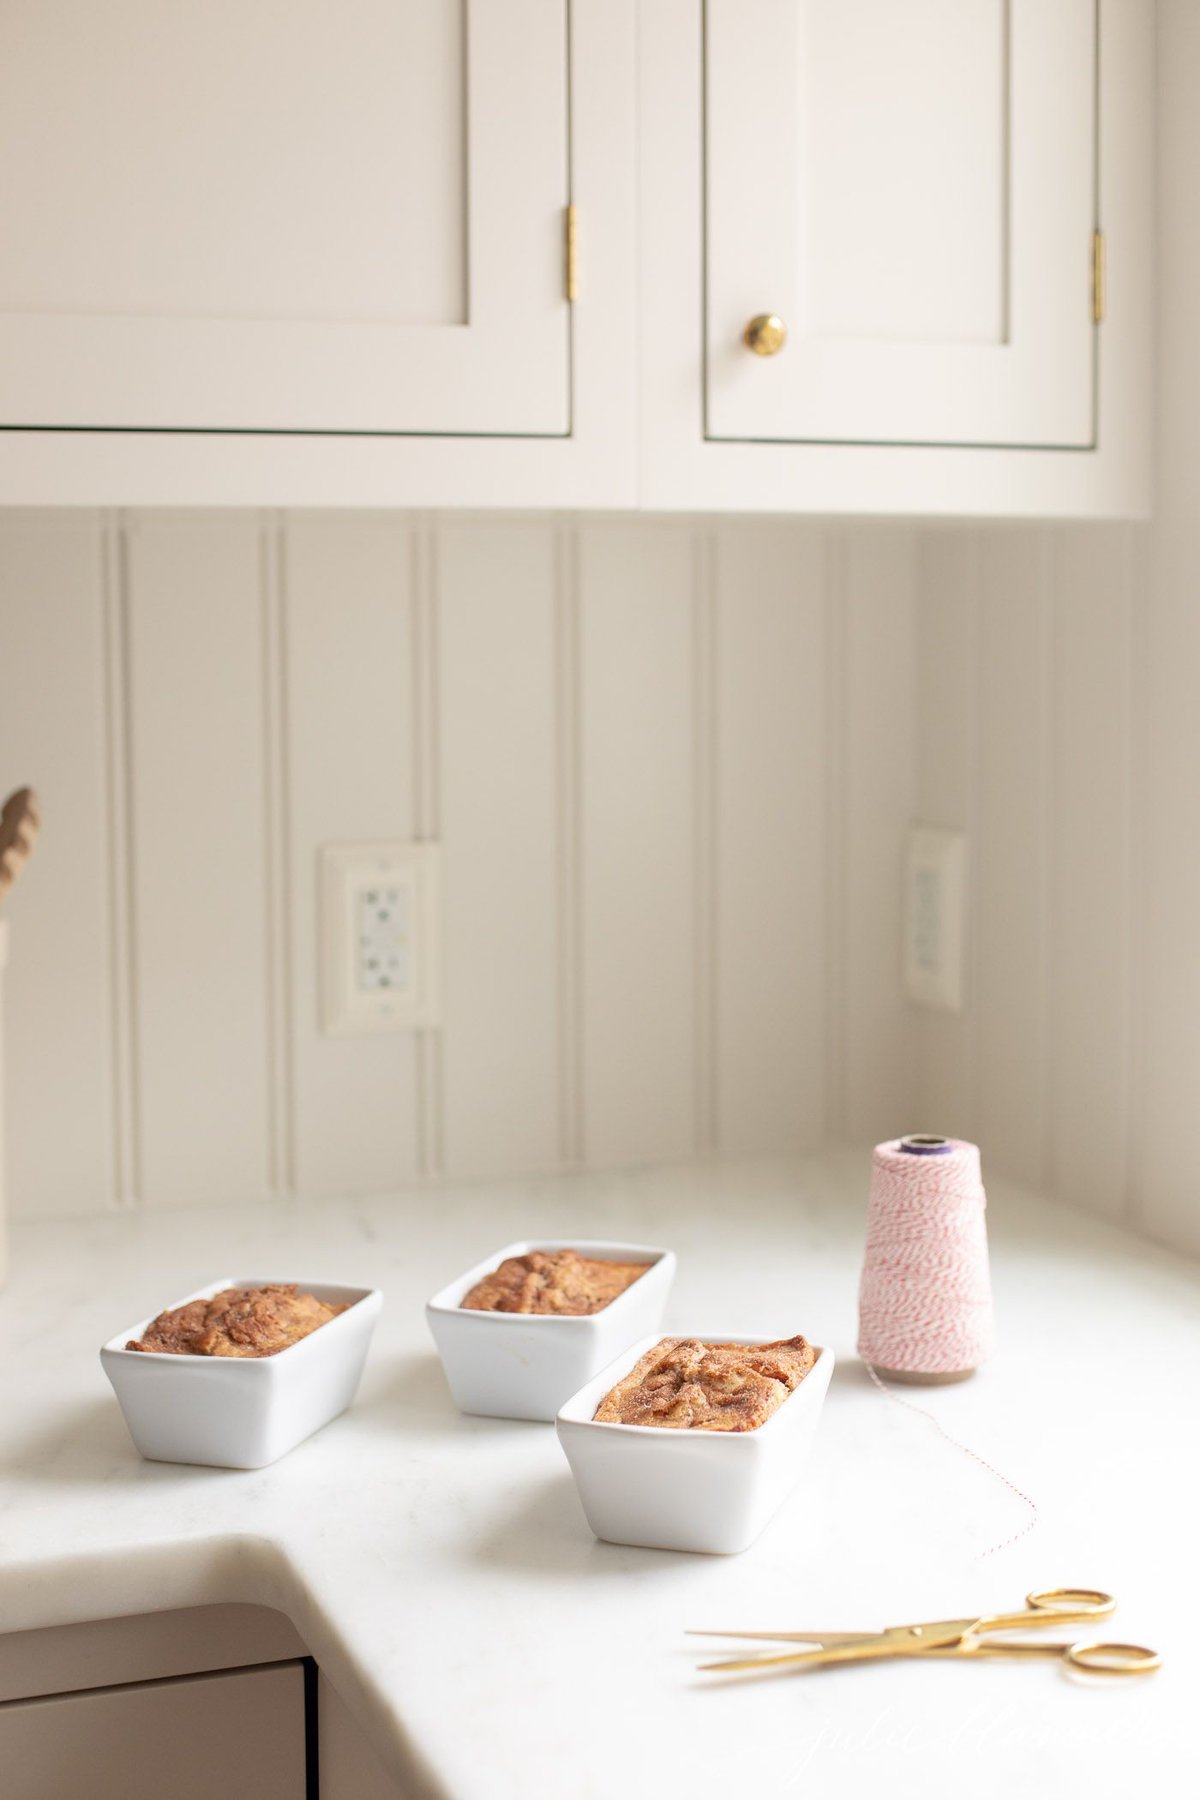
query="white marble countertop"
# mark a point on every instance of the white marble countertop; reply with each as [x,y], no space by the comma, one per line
[440,1568]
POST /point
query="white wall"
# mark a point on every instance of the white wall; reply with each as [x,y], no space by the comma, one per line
[1166,1170]
[1027,742]
[669,762]
[1060,724]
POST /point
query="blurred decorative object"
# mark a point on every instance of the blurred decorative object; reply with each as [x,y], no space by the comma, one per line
[3,1213]
[20,821]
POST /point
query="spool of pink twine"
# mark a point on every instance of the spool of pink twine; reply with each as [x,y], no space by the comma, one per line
[925,1299]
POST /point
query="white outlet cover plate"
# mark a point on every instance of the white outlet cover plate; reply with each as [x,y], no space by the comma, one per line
[353,879]
[935,905]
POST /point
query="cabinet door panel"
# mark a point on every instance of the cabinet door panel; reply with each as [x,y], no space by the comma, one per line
[190,1739]
[252,216]
[911,187]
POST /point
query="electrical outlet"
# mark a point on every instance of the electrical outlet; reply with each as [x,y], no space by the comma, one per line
[380,937]
[383,934]
[935,903]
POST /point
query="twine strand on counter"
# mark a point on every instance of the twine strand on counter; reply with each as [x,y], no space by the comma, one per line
[998,1474]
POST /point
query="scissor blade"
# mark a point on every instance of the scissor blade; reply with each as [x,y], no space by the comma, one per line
[898,1640]
[849,1649]
[822,1638]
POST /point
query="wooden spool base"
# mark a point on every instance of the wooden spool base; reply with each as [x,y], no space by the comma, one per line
[910,1378]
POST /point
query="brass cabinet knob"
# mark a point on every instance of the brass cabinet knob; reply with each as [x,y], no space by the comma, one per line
[765,334]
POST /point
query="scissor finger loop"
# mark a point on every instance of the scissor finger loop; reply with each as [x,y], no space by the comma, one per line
[1092,1601]
[1113,1659]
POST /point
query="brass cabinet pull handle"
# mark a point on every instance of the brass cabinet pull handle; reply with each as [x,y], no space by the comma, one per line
[766,334]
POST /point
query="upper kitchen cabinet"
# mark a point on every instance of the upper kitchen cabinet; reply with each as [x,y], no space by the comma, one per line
[871,256]
[895,255]
[317,217]
[914,189]
[319,251]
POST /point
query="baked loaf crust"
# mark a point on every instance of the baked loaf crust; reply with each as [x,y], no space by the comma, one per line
[689,1386]
[552,1281]
[237,1322]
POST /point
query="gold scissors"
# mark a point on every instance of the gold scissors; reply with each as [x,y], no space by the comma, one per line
[944,1638]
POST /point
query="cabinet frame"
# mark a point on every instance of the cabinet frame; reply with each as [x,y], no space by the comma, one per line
[682,470]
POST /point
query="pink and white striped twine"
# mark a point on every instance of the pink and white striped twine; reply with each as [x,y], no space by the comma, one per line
[925,1299]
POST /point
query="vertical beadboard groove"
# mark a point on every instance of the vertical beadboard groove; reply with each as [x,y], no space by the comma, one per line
[976,676]
[429,676]
[285,802]
[835,834]
[1136,577]
[1045,1167]
[125,1185]
[430,1123]
[422,552]
[276,857]
[135,1167]
[705,724]
[569,809]
[1129,864]
[1052,809]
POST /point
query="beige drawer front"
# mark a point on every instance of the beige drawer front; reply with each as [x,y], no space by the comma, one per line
[188,1738]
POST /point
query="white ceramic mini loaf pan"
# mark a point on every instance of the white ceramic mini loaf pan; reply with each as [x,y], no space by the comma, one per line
[664,1489]
[524,1365]
[241,1412]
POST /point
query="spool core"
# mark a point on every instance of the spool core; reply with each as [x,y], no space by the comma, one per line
[925,1144]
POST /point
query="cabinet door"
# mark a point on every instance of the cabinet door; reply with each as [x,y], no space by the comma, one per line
[190,1739]
[329,215]
[911,186]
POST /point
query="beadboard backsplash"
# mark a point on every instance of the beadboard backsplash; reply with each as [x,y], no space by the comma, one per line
[670,764]
[1028,687]
[1059,725]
